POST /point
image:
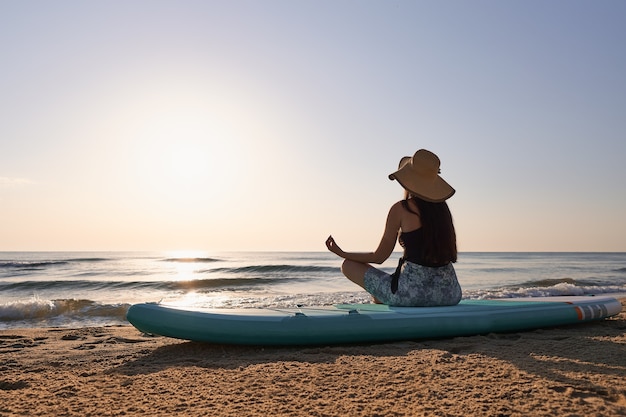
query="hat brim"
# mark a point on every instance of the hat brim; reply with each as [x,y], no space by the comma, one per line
[435,190]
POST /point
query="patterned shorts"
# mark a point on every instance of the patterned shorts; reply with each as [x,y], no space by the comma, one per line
[418,286]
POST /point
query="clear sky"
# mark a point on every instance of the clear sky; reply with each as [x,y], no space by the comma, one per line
[268,125]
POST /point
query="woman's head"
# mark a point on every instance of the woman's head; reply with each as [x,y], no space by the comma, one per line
[419,176]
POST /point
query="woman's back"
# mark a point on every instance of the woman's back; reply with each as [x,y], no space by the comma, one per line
[435,244]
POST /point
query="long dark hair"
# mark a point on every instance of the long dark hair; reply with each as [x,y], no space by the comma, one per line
[438,231]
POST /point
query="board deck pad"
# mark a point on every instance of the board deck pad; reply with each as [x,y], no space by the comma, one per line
[363,323]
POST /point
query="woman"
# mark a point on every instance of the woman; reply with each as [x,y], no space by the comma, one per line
[423,225]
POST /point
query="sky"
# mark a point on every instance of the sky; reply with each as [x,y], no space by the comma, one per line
[269,125]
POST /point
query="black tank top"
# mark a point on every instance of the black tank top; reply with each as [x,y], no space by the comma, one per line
[413,243]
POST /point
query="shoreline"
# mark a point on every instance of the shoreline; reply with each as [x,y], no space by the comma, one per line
[75,323]
[116,370]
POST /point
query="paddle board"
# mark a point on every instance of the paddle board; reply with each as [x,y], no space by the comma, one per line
[358,323]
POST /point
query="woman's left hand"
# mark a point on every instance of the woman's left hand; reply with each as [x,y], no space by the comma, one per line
[333,247]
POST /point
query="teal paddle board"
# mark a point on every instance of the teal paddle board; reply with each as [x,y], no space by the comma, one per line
[359,323]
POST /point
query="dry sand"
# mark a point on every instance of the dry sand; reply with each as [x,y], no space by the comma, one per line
[117,371]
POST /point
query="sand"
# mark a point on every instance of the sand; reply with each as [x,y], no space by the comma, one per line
[118,371]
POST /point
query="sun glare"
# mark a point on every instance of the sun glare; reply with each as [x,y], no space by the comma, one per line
[186,254]
[183,155]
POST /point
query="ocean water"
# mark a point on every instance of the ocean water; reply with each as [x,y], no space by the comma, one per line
[77,289]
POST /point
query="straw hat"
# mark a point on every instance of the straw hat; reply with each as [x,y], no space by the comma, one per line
[419,176]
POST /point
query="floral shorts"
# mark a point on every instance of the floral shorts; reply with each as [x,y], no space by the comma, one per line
[418,286]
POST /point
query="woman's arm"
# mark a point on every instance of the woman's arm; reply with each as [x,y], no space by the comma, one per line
[385,247]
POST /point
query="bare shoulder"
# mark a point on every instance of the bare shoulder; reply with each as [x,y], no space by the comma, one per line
[407,213]
[397,207]
[394,222]
[397,210]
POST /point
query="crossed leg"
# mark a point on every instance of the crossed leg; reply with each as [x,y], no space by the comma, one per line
[355,272]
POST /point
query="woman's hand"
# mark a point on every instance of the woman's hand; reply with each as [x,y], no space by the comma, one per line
[332,246]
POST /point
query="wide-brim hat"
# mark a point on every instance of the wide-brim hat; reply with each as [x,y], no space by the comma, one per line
[419,175]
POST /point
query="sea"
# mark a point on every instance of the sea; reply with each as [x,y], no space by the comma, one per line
[82,289]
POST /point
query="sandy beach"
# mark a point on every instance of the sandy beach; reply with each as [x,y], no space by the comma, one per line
[118,371]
